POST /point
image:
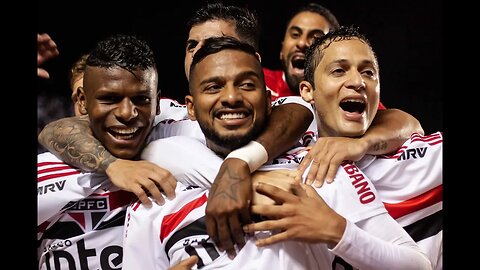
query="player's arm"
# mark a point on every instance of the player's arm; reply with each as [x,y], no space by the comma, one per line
[71,140]
[389,130]
[377,242]
[229,201]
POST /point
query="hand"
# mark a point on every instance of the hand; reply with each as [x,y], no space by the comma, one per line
[279,178]
[186,264]
[326,156]
[303,216]
[46,49]
[228,205]
[140,177]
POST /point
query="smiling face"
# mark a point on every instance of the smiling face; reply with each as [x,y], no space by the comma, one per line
[347,89]
[200,32]
[228,99]
[121,106]
[301,31]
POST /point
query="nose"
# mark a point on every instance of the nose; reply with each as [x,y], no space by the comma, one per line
[231,95]
[126,110]
[303,42]
[355,81]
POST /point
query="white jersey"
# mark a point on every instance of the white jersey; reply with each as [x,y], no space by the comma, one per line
[410,184]
[80,218]
[161,236]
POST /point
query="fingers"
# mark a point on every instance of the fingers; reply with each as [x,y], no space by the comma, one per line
[211,225]
[187,263]
[167,182]
[42,73]
[277,194]
[141,195]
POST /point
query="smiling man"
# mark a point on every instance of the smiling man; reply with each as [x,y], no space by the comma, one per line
[80,215]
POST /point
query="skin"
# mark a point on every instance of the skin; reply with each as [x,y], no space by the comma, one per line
[228,98]
[121,107]
[300,32]
[347,71]
[46,50]
[200,32]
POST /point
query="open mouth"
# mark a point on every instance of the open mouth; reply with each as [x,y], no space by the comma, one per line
[298,62]
[353,105]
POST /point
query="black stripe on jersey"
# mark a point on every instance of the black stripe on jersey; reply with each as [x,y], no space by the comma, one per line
[67,229]
[426,227]
[197,227]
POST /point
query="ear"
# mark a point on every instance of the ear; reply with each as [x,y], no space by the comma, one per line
[190,107]
[81,99]
[259,57]
[157,109]
[281,54]
[306,91]
[268,95]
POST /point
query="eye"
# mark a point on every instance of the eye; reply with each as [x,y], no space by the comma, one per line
[109,99]
[338,71]
[248,86]
[369,73]
[212,88]
[191,45]
[141,100]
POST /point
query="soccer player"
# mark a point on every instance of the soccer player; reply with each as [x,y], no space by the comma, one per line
[81,215]
[343,82]
[228,99]
[287,123]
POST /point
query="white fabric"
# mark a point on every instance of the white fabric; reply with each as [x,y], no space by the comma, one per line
[169,242]
[90,211]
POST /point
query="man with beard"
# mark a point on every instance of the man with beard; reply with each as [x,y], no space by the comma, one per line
[228,99]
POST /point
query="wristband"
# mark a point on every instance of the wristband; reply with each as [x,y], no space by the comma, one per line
[253,153]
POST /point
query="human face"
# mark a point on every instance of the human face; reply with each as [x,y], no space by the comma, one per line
[229,99]
[200,32]
[301,31]
[347,89]
[121,106]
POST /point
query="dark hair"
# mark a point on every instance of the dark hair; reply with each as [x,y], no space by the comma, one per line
[125,51]
[215,44]
[246,22]
[314,53]
[320,10]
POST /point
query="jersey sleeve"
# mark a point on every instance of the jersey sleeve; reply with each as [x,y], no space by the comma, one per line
[380,243]
[293,99]
[188,159]
[60,185]
[169,127]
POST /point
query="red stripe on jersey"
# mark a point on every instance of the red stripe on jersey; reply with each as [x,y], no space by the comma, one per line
[171,221]
[52,169]
[421,201]
[42,227]
[40,164]
[55,175]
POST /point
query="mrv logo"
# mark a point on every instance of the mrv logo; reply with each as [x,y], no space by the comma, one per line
[413,153]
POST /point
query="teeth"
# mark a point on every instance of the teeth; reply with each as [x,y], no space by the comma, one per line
[229,116]
[353,100]
[126,131]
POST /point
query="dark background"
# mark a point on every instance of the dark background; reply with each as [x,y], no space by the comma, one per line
[406,35]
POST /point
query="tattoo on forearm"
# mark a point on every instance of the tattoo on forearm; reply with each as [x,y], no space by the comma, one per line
[380,146]
[72,142]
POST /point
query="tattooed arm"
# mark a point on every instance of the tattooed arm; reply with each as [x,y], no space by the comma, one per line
[72,140]
[389,130]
